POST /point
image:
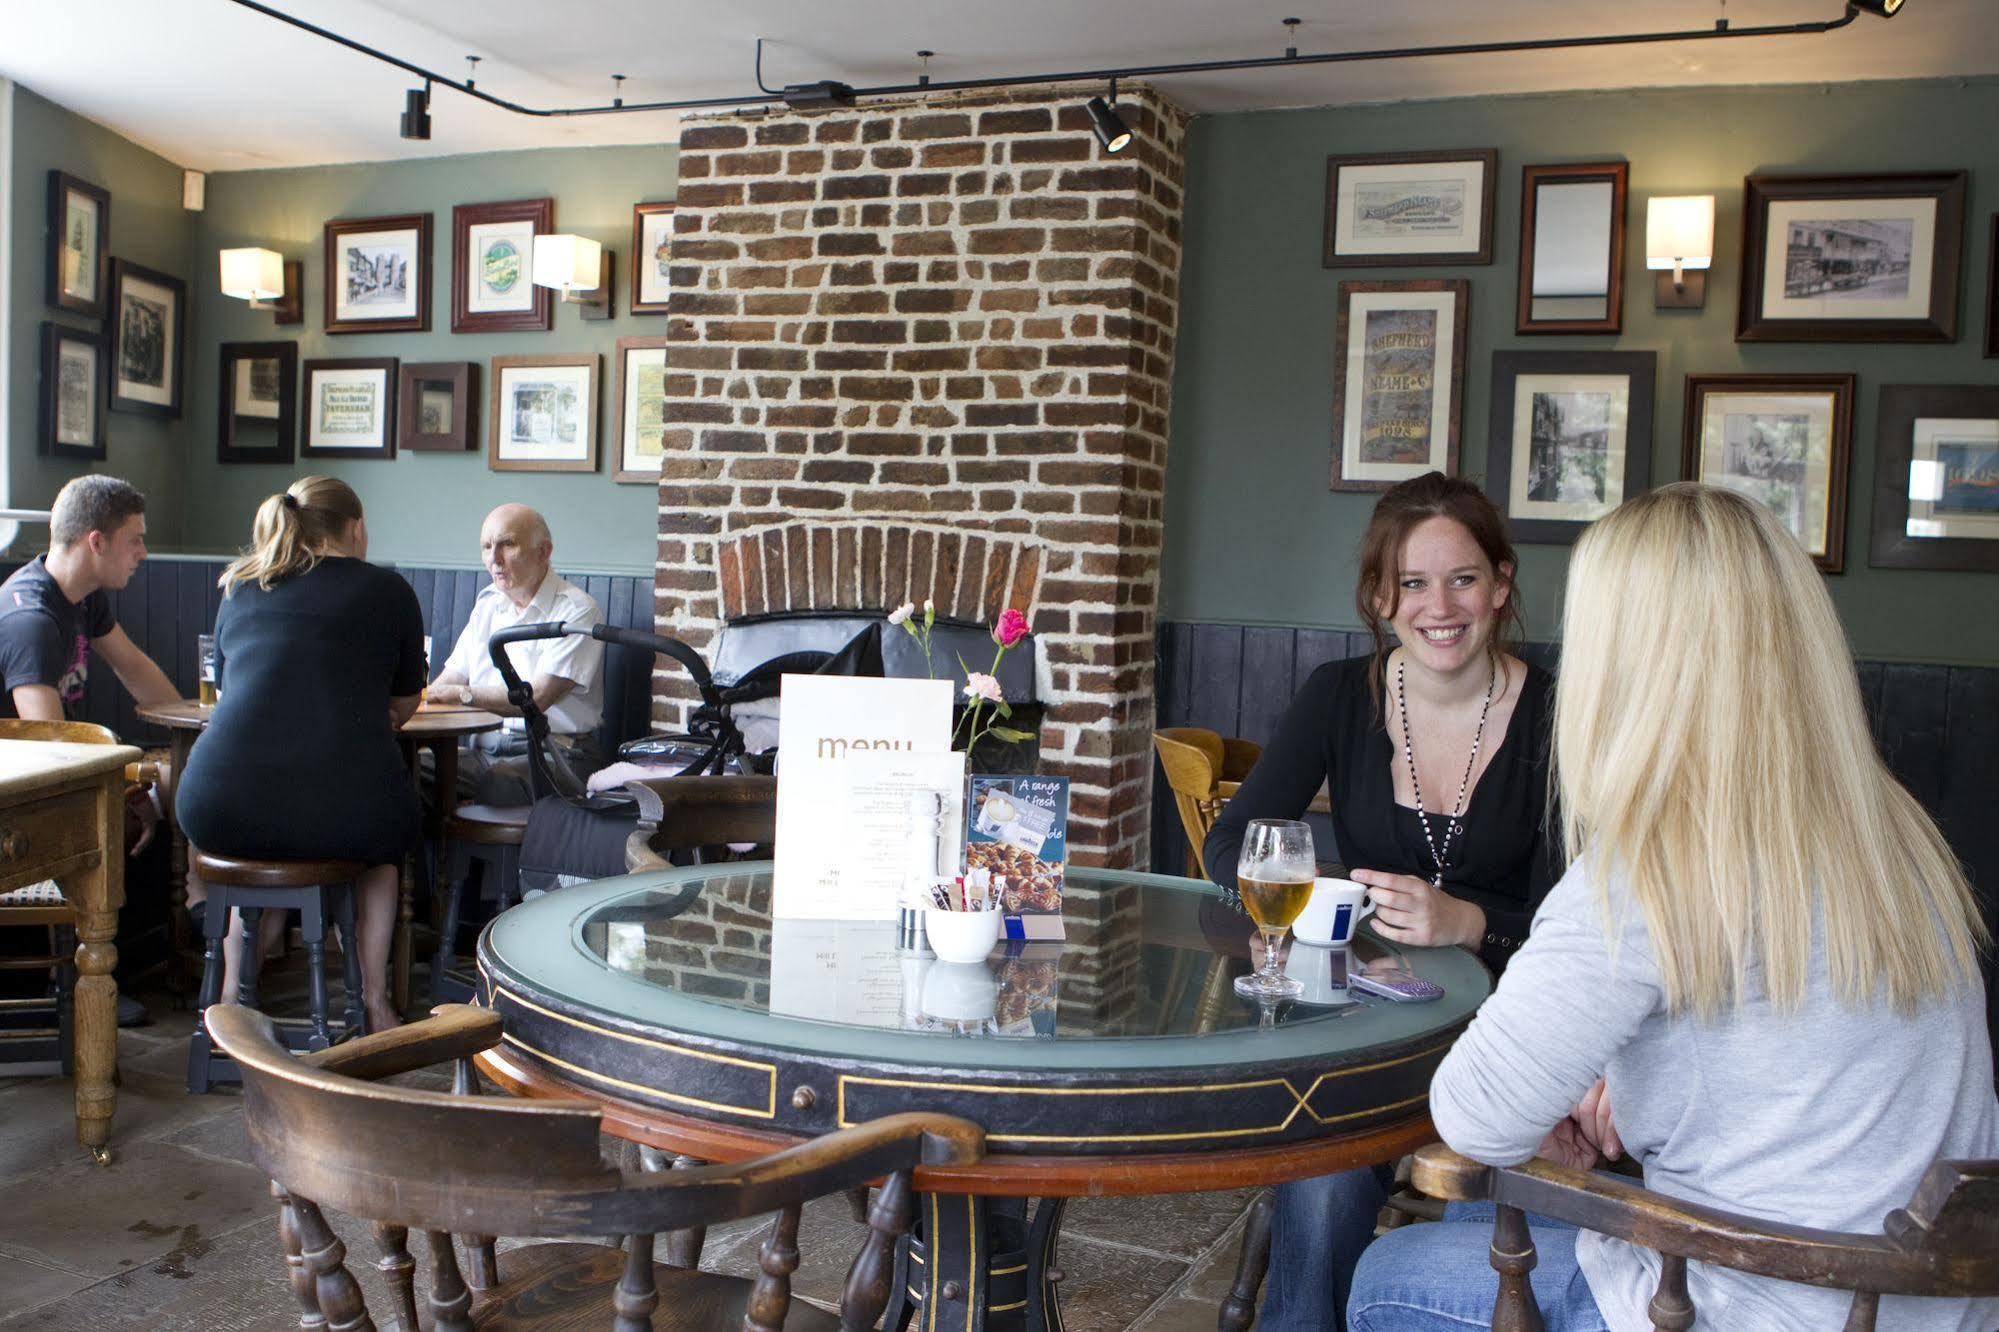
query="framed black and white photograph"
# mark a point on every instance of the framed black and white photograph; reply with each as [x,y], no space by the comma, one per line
[437,406]
[148,340]
[1410,208]
[1936,478]
[258,402]
[542,414]
[377,275]
[641,409]
[652,237]
[492,267]
[72,407]
[79,246]
[1398,381]
[1571,438]
[350,408]
[1782,440]
[1851,258]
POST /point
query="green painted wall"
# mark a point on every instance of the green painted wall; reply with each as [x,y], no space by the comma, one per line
[1254,536]
[148,227]
[425,508]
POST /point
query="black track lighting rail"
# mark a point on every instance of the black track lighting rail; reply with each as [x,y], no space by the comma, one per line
[1721,31]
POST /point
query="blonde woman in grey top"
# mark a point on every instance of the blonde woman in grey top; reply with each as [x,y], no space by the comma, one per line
[1760,977]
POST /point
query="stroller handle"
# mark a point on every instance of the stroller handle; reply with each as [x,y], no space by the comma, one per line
[603,633]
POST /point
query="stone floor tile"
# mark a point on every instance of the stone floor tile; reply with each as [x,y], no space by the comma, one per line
[30,1285]
[1210,1277]
[1178,1225]
[1107,1286]
[41,1124]
[154,1200]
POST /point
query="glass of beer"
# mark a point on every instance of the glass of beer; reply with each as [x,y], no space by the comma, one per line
[1274,875]
[204,656]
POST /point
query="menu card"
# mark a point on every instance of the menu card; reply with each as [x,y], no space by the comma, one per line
[1017,831]
[842,813]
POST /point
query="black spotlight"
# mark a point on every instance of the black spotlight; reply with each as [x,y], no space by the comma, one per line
[1878,8]
[416,113]
[1110,128]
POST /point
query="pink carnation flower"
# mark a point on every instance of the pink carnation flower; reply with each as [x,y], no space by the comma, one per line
[1012,627]
[980,685]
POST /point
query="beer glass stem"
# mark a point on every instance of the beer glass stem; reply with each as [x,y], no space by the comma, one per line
[1272,964]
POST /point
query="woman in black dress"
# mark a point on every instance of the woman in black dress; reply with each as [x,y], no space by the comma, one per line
[319,661]
[1435,755]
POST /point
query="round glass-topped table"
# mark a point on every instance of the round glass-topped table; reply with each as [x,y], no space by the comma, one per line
[1116,1061]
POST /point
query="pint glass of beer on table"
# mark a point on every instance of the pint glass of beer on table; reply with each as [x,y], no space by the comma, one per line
[1274,875]
[204,656]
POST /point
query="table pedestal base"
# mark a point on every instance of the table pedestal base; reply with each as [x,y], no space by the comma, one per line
[983,1262]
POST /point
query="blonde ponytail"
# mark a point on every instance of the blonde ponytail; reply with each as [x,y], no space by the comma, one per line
[292,530]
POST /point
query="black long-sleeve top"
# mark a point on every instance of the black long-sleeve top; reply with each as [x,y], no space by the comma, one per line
[1504,859]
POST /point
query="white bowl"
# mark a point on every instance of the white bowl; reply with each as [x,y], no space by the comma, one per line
[961,936]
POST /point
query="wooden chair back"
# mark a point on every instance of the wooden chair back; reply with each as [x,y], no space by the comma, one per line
[1945,1242]
[453,1162]
[1192,759]
[687,813]
[74,732]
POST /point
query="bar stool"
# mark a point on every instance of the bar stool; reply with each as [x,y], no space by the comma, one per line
[322,892]
[491,835]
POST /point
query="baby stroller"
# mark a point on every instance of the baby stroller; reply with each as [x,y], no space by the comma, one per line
[573,835]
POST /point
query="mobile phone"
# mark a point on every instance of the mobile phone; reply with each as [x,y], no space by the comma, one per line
[1397,983]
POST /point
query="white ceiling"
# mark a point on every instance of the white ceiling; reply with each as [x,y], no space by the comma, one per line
[209,84]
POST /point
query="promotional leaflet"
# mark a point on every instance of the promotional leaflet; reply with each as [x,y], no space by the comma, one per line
[1017,831]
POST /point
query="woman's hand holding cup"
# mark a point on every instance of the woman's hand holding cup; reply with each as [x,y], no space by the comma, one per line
[1410,911]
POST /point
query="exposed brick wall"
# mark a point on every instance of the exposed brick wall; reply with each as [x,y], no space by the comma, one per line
[952,315]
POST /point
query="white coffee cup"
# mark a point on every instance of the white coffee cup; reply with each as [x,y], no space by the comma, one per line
[1337,908]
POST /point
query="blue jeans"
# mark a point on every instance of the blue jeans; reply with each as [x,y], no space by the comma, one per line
[1317,1233]
[1438,1277]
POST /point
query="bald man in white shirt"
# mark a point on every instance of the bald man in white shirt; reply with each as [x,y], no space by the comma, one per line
[565,673]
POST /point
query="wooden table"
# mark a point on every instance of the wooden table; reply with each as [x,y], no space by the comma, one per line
[436,727]
[1118,1063]
[62,817]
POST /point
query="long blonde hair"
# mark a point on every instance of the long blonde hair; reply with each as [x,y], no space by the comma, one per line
[1710,747]
[292,530]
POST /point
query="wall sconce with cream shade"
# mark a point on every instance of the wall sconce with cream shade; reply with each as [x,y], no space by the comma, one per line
[266,279]
[579,268]
[1679,243]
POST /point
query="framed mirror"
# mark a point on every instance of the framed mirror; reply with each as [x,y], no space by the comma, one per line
[257,413]
[1572,249]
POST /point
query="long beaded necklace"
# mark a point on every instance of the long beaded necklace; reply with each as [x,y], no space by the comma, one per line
[1451,829]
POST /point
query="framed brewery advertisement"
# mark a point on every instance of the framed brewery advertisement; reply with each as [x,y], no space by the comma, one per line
[1410,208]
[1851,258]
[79,245]
[72,415]
[542,414]
[641,409]
[258,402]
[1782,440]
[377,276]
[652,235]
[148,340]
[1398,381]
[350,408]
[1936,479]
[1571,438]
[492,267]
[437,406]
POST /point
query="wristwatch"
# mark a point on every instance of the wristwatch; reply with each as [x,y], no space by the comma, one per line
[465,695]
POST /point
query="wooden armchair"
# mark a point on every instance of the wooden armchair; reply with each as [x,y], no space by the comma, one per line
[478,1167]
[1204,769]
[1944,1243]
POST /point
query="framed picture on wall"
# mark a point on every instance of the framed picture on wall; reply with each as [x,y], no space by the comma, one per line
[149,338]
[350,408]
[1936,478]
[437,406]
[1780,439]
[258,402]
[1571,438]
[1410,208]
[542,414]
[641,409]
[1851,258]
[377,277]
[652,234]
[79,245]
[492,267]
[1992,293]
[73,376]
[1398,381]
